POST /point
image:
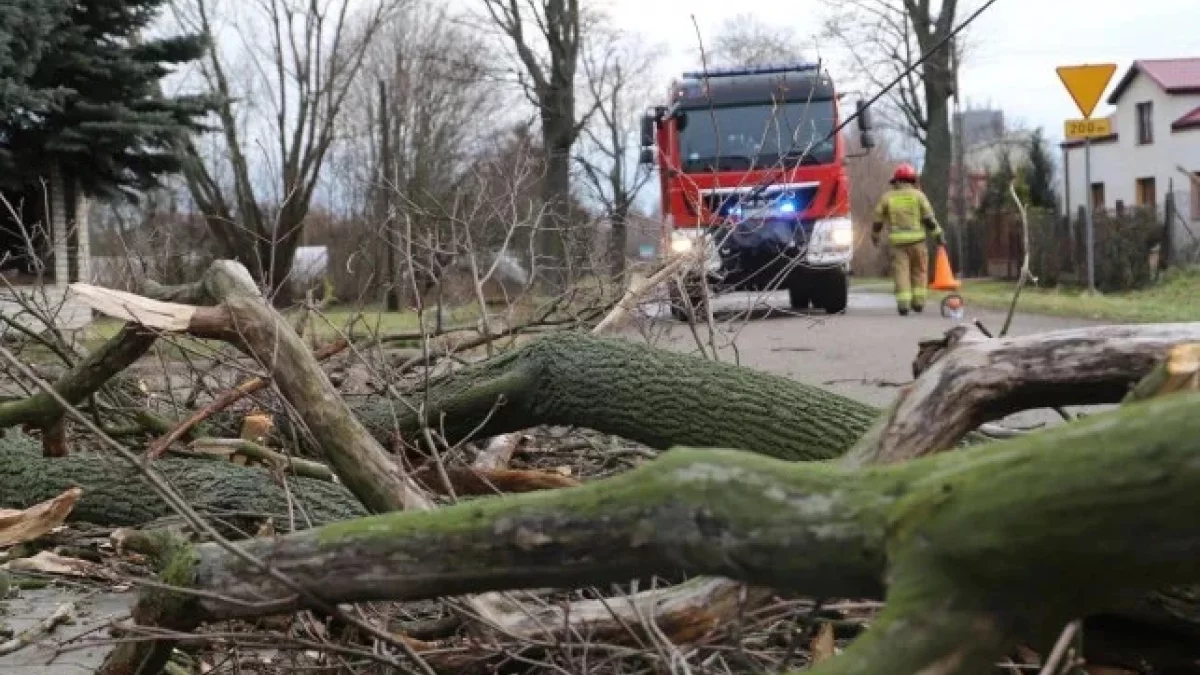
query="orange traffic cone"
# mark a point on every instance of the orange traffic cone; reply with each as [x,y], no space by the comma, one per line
[943,276]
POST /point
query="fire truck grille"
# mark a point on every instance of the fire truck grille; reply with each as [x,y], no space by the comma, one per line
[776,202]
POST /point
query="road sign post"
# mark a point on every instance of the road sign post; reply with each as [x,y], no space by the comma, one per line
[1086,84]
[1089,224]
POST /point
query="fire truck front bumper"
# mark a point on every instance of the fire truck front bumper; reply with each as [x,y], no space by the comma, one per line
[735,254]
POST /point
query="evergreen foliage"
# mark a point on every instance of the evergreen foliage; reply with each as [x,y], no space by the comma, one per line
[80,88]
[1039,174]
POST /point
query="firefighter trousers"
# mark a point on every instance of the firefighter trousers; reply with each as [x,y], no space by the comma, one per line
[910,272]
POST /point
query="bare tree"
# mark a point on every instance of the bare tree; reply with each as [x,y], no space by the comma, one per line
[618,70]
[554,27]
[299,59]
[746,40]
[886,39]
[419,105]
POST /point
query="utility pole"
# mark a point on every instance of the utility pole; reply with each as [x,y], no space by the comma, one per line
[385,185]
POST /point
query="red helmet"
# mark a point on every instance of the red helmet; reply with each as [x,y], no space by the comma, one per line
[906,173]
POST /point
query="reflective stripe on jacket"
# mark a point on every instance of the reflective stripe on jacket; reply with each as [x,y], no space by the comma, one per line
[902,210]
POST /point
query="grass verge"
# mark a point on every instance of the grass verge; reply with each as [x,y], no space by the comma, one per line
[1172,299]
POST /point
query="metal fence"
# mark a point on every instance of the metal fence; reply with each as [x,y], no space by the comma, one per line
[1131,245]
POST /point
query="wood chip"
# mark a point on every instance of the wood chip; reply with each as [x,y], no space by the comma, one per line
[823,646]
[19,526]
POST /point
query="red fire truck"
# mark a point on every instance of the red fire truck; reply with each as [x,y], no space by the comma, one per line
[750,168]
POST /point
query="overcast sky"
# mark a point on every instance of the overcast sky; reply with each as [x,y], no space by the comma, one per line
[1015,44]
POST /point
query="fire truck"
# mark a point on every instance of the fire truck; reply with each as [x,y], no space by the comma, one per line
[751,169]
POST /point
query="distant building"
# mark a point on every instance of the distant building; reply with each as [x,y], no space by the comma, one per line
[980,125]
[1156,132]
[986,140]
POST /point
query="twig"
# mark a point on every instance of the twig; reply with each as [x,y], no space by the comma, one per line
[231,396]
[60,616]
[1026,275]
[241,446]
[1060,649]
[635,293]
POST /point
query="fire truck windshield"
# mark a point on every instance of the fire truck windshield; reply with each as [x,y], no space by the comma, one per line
[757,136]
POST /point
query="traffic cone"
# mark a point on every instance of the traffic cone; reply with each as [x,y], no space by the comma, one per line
[943,276]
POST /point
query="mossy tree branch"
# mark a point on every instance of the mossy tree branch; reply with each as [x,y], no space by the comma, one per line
[975,547]
[43,411]
[241,497]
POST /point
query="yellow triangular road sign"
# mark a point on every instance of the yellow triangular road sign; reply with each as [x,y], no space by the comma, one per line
[1087,83]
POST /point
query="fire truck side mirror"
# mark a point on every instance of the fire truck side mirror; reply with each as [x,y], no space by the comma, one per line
[867,139]
[647,131]
[863,116]
[647,156]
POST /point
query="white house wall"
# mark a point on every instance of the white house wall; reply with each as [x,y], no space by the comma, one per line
[1119,164]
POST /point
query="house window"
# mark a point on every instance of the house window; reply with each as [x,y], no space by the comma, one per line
[1145,122]
[1097,196]
[1146,192]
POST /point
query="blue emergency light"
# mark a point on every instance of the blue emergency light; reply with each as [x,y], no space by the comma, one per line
[734,71]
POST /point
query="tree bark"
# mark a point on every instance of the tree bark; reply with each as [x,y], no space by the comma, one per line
[952,537]
[620,239]
[655,397]
[980,381]
[240,496]
[935,173]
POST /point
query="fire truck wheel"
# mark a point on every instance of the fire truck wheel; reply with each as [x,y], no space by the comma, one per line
[798,295]
[835,293]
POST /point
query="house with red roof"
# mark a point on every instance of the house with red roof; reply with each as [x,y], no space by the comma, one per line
[1156,132]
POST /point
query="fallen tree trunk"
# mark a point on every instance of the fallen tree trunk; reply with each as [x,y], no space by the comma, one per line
[655,397]
[473,396]
[979,381]
[111,496]
[557,367]
[661,398]
[977,548]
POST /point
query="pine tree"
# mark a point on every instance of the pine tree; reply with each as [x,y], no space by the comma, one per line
[86,99]
[1039,173]
[25,28]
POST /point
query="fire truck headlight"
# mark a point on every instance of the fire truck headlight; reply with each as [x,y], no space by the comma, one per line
[681,244]
[843,233]
[835,233]
[685,240]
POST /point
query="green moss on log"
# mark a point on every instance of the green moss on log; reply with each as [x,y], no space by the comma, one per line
[655,397]
[976,547]
[114,494]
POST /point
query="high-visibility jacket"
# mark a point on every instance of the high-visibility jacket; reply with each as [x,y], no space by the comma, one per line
[906,211]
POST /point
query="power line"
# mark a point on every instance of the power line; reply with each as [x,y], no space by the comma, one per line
[892,85]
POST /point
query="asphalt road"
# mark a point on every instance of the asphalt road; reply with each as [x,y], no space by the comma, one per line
[865,353]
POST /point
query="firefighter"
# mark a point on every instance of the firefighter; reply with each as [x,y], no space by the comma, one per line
[910,220]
